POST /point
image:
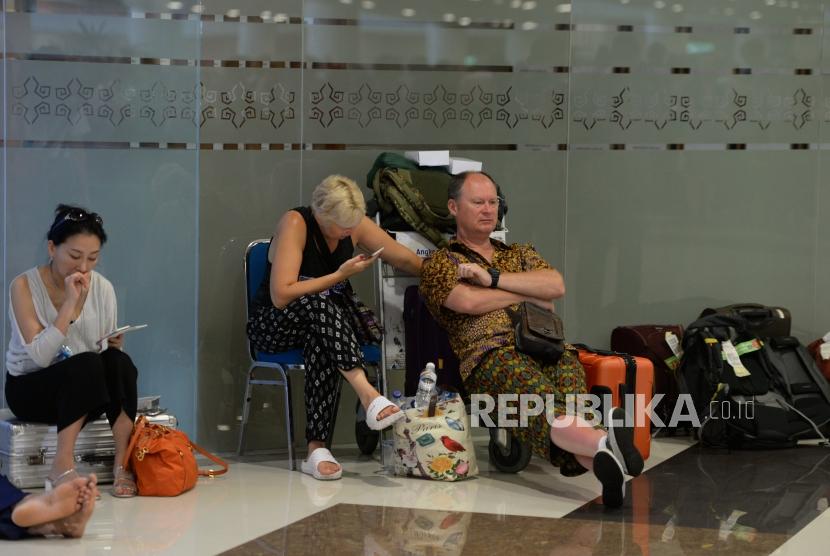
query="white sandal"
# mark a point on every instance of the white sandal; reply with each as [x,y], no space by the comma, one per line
[315,458]
[379,404]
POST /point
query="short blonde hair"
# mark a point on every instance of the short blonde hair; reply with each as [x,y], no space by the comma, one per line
[338,200]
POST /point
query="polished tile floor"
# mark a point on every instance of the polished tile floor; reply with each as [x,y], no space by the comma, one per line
[687,502]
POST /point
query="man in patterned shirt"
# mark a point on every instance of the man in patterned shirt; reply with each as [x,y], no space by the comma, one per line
[469,287]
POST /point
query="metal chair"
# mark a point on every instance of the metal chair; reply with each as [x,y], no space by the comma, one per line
[255,264]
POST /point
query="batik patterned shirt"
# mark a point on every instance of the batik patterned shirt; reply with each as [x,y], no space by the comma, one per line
[472,336]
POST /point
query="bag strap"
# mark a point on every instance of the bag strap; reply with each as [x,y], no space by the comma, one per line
[139,426]
[215,459]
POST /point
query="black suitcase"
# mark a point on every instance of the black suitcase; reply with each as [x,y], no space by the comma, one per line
[649,341]
[764,321]
[427,342]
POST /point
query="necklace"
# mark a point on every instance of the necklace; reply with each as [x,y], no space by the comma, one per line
[55,283]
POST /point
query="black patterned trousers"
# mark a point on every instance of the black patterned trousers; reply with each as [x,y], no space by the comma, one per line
[318,325]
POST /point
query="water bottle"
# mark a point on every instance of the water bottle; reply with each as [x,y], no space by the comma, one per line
[396,398]
[426,386]
[65,352]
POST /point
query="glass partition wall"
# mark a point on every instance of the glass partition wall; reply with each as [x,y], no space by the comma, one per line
[666,155]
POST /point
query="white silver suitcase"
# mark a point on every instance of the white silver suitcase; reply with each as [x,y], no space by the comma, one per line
[28,449]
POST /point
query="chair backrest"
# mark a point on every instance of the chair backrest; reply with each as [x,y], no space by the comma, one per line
[256,262]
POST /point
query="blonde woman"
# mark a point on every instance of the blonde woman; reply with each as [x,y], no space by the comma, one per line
[306,302]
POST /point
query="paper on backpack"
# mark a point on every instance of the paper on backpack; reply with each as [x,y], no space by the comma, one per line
[458,165]
[429,158]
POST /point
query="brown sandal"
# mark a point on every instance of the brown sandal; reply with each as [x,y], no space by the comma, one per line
[123,484]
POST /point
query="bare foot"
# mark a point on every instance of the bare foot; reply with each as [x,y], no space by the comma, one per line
[73,525]
[387,411]
[60,502]
[390,409]
[324,467]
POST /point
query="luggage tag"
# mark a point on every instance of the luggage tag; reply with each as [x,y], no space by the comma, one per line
[727,526]
[674,344]
[732,357]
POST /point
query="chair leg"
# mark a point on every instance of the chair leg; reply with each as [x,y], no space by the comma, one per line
[289,421]
[246,408]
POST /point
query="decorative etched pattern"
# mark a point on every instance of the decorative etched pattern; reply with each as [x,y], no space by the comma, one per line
[729,112]
[157,103]
[241,105]
[400,106]
[733,114]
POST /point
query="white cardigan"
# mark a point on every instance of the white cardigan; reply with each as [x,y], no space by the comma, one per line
[98,317]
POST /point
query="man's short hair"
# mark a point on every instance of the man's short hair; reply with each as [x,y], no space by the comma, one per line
[457,182]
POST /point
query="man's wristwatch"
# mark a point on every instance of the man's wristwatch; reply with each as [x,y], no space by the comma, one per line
[494,277]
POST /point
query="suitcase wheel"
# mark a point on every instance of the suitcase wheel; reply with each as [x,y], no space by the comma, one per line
[511,458]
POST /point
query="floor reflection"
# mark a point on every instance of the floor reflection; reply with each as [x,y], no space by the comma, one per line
[698,502]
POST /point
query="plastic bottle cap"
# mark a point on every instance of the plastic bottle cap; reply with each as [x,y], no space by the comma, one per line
[396,393]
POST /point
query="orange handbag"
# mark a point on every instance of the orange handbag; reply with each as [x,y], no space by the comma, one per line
[163,461]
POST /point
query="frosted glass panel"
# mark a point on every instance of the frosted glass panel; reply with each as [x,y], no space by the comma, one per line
[76,101]
[665,156]
[122,36]
[148,201]
[250,106]
[242,195]
[102,110]
[666,109]
[434,107]
[659,236]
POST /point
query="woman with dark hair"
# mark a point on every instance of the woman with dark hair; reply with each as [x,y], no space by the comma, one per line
[59,370]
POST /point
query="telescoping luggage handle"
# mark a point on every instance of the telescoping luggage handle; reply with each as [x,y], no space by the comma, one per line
[630,385]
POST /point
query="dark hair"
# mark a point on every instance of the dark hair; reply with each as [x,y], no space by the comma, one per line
[457,182]
[71,220]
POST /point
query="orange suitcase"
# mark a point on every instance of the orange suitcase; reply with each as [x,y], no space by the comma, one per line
[618,374]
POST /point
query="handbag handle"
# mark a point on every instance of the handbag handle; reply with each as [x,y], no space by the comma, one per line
[215,459]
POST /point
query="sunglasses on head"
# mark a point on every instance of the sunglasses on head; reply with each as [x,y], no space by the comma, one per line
[78,215]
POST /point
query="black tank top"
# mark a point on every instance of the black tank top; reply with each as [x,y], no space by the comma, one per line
[317,259]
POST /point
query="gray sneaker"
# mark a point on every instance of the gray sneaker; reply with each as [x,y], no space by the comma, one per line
[609,471]
[621,442]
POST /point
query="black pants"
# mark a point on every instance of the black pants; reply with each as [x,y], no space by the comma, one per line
[84,385]
[318,325]
[10,496]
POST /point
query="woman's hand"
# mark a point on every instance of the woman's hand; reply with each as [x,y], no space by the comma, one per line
[116,341]
[356,265]
[475,274]
[76,285]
